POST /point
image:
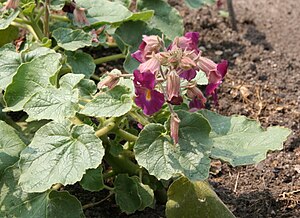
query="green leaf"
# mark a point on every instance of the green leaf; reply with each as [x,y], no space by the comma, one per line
[59,153]
[199,3]
[81,63]
[10,146]
[9,63]
[8,35]
[113,103]
[57,4]
[156,152]
[107,12]
[87,88]
[6,17]
[14,202]
[165,17]
[30,78]
[93,180]
[55,104]
[194,200]
[241,141]
[131,195]
[71,40]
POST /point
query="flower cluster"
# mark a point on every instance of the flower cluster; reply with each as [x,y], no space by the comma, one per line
[158,79]
[180,61]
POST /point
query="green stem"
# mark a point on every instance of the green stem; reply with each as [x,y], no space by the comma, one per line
[104,130]
[59,17]
[108,188]
[121,164]
[40,13]
[109,174]
[57,186]
[25,26]
[109,58]
[126,135]
[36,29]
[139,118]
[95,77]
[21,21]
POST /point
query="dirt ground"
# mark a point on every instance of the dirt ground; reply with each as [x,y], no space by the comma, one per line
[262,83]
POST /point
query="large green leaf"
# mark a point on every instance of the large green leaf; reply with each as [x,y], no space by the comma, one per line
[59,153]
[166,18]
[6,17]
[156,152]
[198,3]
[8,35]
[71,40]
[14,202]
[113,103]
[55,104]
[81,63]
[131,195]
[194,200]
[10,146]
[9,63]
[30,78]
[11,60]
[241,141]
[104,11]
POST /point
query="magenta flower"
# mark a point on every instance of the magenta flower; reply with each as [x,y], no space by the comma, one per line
[188,74]
[187,42]
[215,73]
[173,89]
[198,99]
[147,98]
[196,104]
[149,45]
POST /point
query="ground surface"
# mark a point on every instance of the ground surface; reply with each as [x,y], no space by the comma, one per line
[262,83]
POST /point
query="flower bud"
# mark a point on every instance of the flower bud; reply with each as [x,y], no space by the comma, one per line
[174,127]
[111,80]
[11,4]
[152,65]
[80,17]
[194,92]
[173,88]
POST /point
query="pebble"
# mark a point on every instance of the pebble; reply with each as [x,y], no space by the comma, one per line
[235,55]
[219,53]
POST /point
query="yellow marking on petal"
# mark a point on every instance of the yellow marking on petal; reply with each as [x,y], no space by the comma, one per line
[148,95]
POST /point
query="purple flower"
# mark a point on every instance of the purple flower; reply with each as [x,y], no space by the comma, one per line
[215,73]
[188,74]
[149,45]
[187,42]
[147,98]
[196,104]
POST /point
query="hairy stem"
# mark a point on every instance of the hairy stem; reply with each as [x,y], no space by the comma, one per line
[46,22]
[139,118]
[121,164]
[36,29]
[104,130]
[59,17]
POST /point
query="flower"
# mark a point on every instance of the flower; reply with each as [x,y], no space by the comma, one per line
[79,17]
[111,80]
[11,4]
[152,65]
[187,42]
[198,99]
[149,45]
[147,98]
[173,88]
[188,74]
[174,127]
[215,73]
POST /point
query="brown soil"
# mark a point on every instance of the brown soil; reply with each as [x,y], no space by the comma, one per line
[262,83]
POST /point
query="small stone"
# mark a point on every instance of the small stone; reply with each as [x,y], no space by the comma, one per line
[235,55]
[219,53]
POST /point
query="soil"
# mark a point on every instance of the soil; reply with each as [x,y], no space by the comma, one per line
[263,84]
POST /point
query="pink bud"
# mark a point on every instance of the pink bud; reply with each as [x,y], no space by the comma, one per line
[152,65]
[11,4]
[210,69]
[111,80]
[80,17]
[193,91]
[174,127]
[173,88]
